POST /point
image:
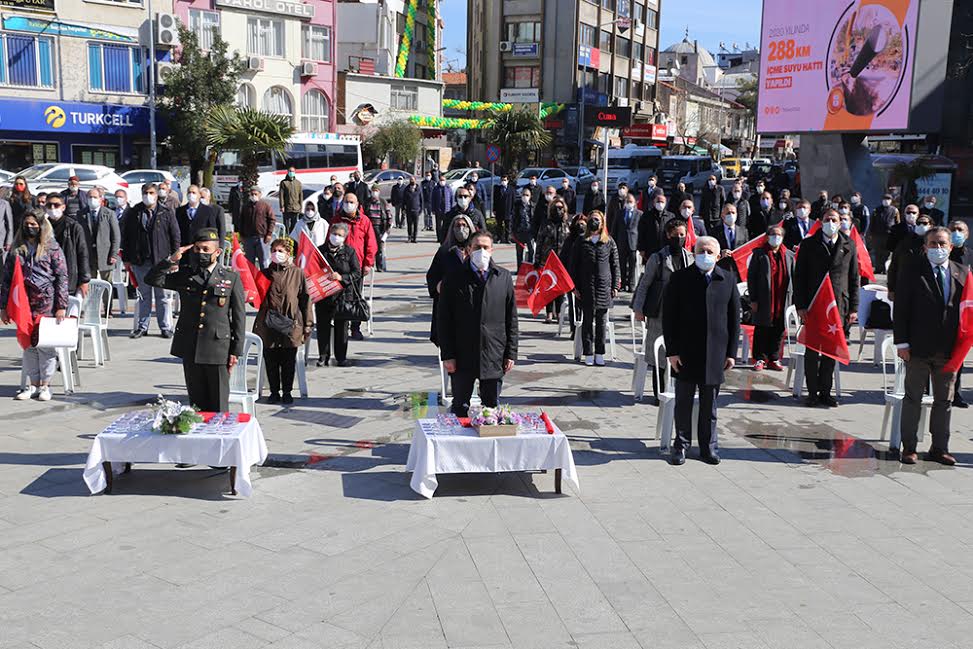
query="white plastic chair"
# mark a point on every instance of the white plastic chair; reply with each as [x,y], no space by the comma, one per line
[175,304]
[239,389]
[567,311]
[609,332]
[640,369]
[866,296]
[665,419]
[744,338]
[119,282]
[94,321]
[371,295]
[892,417]
[796,353]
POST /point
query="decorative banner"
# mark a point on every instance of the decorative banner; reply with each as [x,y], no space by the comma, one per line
[431,26]
[406,42]
[74,30]
[461,122]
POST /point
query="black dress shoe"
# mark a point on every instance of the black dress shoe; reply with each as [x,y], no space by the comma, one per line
[323,362]
[344,363]
[958,402]
[678,457]
[828,400]
[273,398]
[287,399]
[942,457]
[811,401]
[710,458]
[138,333]
[167,334]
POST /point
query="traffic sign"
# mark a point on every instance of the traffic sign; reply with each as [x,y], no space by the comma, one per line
[492,152]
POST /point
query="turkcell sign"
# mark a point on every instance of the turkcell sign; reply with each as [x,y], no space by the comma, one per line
[73,117]
[620,117]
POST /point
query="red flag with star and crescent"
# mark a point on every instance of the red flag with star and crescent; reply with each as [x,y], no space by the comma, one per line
[553,282]
[18,306]
[527,278]
[823,330]
[316,270]
[865,268]
[742,255]
[255,283]
[964,335]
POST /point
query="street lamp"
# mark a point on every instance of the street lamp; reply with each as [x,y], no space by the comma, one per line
[153,144]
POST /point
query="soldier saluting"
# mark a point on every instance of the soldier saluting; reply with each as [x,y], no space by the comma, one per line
[212,323]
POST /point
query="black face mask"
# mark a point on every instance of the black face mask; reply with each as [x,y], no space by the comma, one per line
[199,260]
[675,243]
[32,232]
[594,226]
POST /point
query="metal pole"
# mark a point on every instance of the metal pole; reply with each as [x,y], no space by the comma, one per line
[489,195]
[581,130]
[153,144]
[605,161]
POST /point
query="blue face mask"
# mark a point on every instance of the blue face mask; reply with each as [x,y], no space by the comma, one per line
[937,256]
[705,261]
[957,238]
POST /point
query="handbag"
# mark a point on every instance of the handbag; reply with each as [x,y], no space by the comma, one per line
[351,305]
[51,334]
[278,322]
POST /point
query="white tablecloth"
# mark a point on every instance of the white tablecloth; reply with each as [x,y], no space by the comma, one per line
[131,439]
[463,451]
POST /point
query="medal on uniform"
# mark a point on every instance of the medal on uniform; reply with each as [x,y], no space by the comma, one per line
[222,301]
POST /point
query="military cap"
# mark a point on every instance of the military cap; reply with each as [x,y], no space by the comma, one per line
[207,234]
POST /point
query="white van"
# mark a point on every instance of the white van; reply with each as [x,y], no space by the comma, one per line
[633,165]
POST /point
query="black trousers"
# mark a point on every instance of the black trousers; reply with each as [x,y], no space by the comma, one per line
[706,424]
[593,330]
[554,307]
[290,220]
[325,326]
[503,228]
[525,252]
[412,223]
[208,385]
[281,363]
[628,259]
[818,373]
[441,226]
[957,397]
[462,385]
[766,341]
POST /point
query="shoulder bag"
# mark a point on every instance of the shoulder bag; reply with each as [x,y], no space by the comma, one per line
[351,305]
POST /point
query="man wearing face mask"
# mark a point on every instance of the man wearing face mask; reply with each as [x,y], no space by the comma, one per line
[926,322]
[168,196]
[326,204]
[70,235]
[730,236]
[257,221]
[195,216]
[763,218]
[426,186]
[826,252]
[477,326]
[103,236]
[929,209]
[769,286]
[626,236]
[358,187]
[73,198]
[540,211]
[884,218]
[521,225]
[362,239]
[121,207]
[756,195]
[711,203]
[206,198]
[412,206]
[566,192]
[680,195]
[594,199]
[616,204]
[464,206]
[739,200]
[701,325]
[909,249]
[687,211]
[818,206]
[212,322]
[652,226]
[796,229]
[536,192]
[149,236]
[290,193]
[395,198]
[860,213]
[504,196]
[442,203]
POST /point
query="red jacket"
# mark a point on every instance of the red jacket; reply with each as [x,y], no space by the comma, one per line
[361,236]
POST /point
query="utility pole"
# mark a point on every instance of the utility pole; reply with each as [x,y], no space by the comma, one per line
[153,143]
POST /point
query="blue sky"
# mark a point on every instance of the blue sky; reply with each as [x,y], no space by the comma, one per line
[709,22]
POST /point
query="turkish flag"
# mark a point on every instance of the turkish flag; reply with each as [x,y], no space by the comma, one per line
[865,268]
[554,281]
[255,283]
[964,336]
[316,270]
[742,255]
[18,306]
[526,281]
[823,330]
[690,235]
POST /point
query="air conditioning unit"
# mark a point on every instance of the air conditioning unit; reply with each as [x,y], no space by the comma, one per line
[255,64]
[162,71]
[506,46]
[309,68]
[166,30]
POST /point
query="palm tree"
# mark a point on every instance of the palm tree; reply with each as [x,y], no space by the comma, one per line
[250,132]
[517,133]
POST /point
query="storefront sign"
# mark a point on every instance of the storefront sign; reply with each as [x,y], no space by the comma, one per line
[525,50]
[32,5]
[520,95]
[589,56]
[73,117]
[73,30]
[280,7]
[612,117]
[937,185]
[648,72]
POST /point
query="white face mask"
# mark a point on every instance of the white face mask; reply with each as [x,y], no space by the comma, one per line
[929,205]
[350,208]
[463,202]
[163,193]
[549,197]
[845,226]
[525,199]
[712,183]
[775,240]
[921,230]
[204,200]
[480,258]
[149,199]
[855,200]
[376,195]
[193,198]
[783,205]
[910,218]
[254,198]
[830,228]
[705,261]
[55,214]
[730,219]
[622,192]
[886,203]
[764,203]
[594,188]
[94,204]
[801,213]
[660,205]
[121,202]
[630,206]
[280,257]
[737,194]
[686,212]
[310,215]
[336,240]
[842,210]
[760,189]
[504,183]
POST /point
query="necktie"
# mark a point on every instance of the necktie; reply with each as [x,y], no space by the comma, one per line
[709,278]
[730,239]
[941,279]
[192,213]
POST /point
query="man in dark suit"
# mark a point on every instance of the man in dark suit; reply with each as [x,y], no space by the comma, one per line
[679,196]
[929,207]
[594,199]
[818,206]
[652,226]
[206,198]
[427,184]
[826,252]
[797,229]
[925,323]
[625,232]
[412,206]
[701,326]
[212,323]
[616,204]
[739,199]
[503,207]
[540,211]
[359,188]
[477,325]
[395,197]
[711,204]
[195,216]
[569,195]
[730,235]
[763,217]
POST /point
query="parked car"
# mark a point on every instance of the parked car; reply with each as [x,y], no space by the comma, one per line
[386,179]
[694,170]
[137,177]
[735,167]
[459,177]
[583,177]
[760,170]
[6,175]
[546,177]
[53,176]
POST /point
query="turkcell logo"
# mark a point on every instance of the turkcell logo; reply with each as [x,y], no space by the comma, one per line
[72,117]
[56,118]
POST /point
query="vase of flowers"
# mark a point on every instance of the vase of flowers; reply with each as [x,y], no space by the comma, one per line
[495,422]
[172,417]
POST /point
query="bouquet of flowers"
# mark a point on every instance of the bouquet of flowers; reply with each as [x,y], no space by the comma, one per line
[173,418]
[499,416]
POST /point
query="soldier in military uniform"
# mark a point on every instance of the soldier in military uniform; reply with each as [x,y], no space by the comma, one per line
[212,323]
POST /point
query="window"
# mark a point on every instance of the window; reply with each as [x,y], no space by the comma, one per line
[115,68]
[625,8]
[587,35]
[265,37]
[524,32]
[605,41]
[522,77]
[246,96]
[277,101]
[420,36]
[419,71]
[206,26]
[621,87]
[587,78]
[405,97]
[639,12]
[623,47]
[608,4]
[683,60]
[649,55]
[26,61]
[603,83]
[652,19]
[317,43]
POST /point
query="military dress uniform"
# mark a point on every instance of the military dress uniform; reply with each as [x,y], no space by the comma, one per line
[211,326]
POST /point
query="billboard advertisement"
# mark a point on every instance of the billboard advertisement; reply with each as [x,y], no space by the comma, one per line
[836,65]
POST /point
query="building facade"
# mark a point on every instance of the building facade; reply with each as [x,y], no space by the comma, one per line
[371,32]
[74,82]
[289,48]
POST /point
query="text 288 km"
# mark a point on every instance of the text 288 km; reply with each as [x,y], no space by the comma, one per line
[785,50]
